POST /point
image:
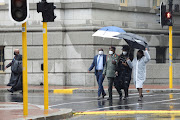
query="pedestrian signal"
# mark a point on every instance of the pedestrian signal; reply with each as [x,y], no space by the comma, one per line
[47,10]
[168,15]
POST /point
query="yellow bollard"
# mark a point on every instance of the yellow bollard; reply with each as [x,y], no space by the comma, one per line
[170,58]
[25,81]
[45,53]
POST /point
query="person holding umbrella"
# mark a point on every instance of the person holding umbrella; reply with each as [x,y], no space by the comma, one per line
[139,69]
[123,71]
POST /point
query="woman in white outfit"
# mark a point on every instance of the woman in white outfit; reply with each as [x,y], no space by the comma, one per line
[139,69]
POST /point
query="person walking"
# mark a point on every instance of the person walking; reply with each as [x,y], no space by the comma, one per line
[123,71]
[109,71]
[16,72]
[99,62]
[139,69]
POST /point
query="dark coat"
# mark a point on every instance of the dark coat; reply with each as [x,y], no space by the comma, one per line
[124,72]
[94,63]
[17,57]
[16,77]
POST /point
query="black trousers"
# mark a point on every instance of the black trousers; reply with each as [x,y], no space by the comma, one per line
[111,82]
[122,82]
[126,87]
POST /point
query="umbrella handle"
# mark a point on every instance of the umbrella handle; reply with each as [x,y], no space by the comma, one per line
[129,50]
[147,47]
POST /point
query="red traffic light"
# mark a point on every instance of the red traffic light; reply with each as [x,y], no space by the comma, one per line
[168,15]
[19,3]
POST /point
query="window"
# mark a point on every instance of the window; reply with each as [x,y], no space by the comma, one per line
[123,2]
[1,59]
[156,3]
[160,54]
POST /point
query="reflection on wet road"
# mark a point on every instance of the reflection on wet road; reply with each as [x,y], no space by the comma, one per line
[81,102]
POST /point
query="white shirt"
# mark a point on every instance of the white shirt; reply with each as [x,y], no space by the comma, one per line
[100,62]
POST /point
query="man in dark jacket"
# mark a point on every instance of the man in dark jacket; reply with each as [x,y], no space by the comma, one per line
[16,72]
[123,71]
[99,62]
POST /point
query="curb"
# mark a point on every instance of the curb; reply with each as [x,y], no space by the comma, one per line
[30,91]
[129,112]
[67,113]
[75,90]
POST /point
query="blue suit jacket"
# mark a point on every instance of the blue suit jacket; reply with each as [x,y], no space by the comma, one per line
[94,63]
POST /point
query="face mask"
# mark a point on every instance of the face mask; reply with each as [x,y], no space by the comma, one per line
[100,52]
[15,53]
[124,53]
[110,52]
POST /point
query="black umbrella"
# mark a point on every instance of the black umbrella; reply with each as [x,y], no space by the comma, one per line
[133,40]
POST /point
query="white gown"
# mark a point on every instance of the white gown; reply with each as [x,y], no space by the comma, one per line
[139,69]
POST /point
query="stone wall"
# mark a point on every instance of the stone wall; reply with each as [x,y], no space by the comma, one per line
[71,47]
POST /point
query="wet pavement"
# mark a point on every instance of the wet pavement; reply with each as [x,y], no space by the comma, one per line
[127,117]
[87,102]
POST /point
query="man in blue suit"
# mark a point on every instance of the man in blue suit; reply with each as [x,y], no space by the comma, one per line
[99,62]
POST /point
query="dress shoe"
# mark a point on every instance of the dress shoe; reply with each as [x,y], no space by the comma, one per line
[125,98]
[10,90]
[103,95]
[140,99]
[120,97]
[98,98]
[8,84]
[109,98]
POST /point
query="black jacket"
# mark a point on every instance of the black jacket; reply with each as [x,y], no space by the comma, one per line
[124,72]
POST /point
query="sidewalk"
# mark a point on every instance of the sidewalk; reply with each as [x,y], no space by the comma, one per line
[14,111]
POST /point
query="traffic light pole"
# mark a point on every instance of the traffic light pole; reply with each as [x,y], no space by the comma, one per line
[170,49]
[170,58]
[25,81]
[47,10]
[45,53]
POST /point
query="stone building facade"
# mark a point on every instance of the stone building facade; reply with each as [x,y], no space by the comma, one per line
[71,47]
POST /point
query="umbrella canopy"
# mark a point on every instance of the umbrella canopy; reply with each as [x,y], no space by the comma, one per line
[133,40]
[109,32]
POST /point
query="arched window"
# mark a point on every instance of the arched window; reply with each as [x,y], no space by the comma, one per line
[123,2]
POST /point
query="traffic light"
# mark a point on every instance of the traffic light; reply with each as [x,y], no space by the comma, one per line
[169,19]
[47,10]
[162,14]
[19,10]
